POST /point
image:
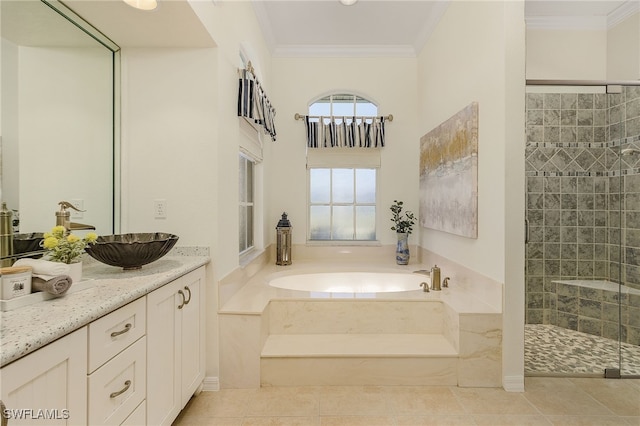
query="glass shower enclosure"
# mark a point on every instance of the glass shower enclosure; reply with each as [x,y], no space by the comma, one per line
[583,229]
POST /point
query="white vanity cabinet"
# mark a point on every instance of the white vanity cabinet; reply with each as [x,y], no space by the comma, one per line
[136,365]
[175,346]
[49,386]
[116,380]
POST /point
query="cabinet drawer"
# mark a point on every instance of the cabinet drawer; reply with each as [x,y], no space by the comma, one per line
[117,388]
[138,417]
[114,332]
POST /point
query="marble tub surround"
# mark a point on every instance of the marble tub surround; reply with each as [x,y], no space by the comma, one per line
[258,323]
[480,288]
[26,329]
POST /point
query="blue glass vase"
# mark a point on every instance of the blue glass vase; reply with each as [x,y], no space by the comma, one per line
[402,248]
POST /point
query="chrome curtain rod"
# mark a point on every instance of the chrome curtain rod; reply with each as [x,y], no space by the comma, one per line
[301,117]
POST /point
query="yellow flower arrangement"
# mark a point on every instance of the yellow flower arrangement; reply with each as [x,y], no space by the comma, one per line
[65,248]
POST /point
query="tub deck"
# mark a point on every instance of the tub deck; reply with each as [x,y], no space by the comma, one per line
[276,337]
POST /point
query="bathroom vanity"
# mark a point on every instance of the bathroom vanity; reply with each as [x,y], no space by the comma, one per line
[127,350]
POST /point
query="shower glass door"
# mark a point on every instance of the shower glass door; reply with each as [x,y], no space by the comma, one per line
[579,249]
[624,132]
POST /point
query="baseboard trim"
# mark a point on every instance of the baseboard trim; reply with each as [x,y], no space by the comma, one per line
[513,383]
[211,384]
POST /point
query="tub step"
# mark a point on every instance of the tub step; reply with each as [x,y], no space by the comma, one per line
[360,345]
[358,359]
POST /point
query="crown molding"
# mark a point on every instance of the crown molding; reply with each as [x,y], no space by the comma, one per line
[342,51]
[566,22]
[439,8]
[265,25]
[627,9]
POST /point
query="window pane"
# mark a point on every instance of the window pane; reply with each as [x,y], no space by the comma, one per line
[365,223]
[366,108]
[342,185]
[249,179]
[320,222]
[242,179]
[365,185]
[243,228]
[320,185]
[342,227]
[343,107]
[321,107]
[249,226]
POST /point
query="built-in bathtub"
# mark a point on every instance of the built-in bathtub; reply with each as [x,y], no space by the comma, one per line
[344,324]
[359,284]
[594,306]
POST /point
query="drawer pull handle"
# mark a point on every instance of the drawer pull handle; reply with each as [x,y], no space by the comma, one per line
[127,384]
[181,293]
[189,299]
[126,328]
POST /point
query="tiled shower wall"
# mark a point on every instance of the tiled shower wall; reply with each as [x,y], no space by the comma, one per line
[574,182]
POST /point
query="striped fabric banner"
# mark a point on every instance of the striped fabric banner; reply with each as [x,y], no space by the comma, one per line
[254,105]
[340,132]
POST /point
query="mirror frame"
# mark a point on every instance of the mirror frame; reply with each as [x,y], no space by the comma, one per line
[101,38]
[86,27]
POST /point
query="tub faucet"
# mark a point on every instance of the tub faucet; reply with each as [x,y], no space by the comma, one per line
[425,287]
[435,278]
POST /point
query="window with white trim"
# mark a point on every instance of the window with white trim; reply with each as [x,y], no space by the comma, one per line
[342,204]
[342,185]
[246,198]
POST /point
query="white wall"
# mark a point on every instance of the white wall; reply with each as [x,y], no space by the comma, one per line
[623,50]
[180,136]
[566,54]
[9,121]
[65,135]
[389,82]
[233,26]
[585,54]
[484,63]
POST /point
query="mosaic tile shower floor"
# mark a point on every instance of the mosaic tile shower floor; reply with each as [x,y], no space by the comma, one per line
[555,350]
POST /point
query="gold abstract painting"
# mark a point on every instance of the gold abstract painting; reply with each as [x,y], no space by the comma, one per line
[449,175]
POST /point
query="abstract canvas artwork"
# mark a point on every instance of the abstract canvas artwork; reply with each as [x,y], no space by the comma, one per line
[449,175]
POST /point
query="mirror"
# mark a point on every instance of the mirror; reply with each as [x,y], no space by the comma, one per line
[59,117]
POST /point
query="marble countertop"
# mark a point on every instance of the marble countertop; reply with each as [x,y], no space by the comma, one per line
[26,329]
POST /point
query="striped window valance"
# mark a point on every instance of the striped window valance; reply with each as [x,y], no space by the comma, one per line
[253,103]
[340,132]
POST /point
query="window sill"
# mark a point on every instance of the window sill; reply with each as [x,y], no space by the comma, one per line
[374,243]
[248,257]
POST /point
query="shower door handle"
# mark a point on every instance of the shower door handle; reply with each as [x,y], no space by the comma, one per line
[526,230]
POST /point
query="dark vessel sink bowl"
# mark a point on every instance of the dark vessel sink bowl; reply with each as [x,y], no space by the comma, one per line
[27,243]
[131,251]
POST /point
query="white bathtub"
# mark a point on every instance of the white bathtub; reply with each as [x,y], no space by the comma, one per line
[351,282]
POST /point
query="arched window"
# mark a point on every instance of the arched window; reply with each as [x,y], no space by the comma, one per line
[342,184]
[343,105]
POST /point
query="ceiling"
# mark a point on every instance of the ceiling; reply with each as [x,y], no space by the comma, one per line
[318,27]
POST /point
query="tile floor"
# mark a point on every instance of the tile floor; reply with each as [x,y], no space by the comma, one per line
[546,401]
[557,350]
